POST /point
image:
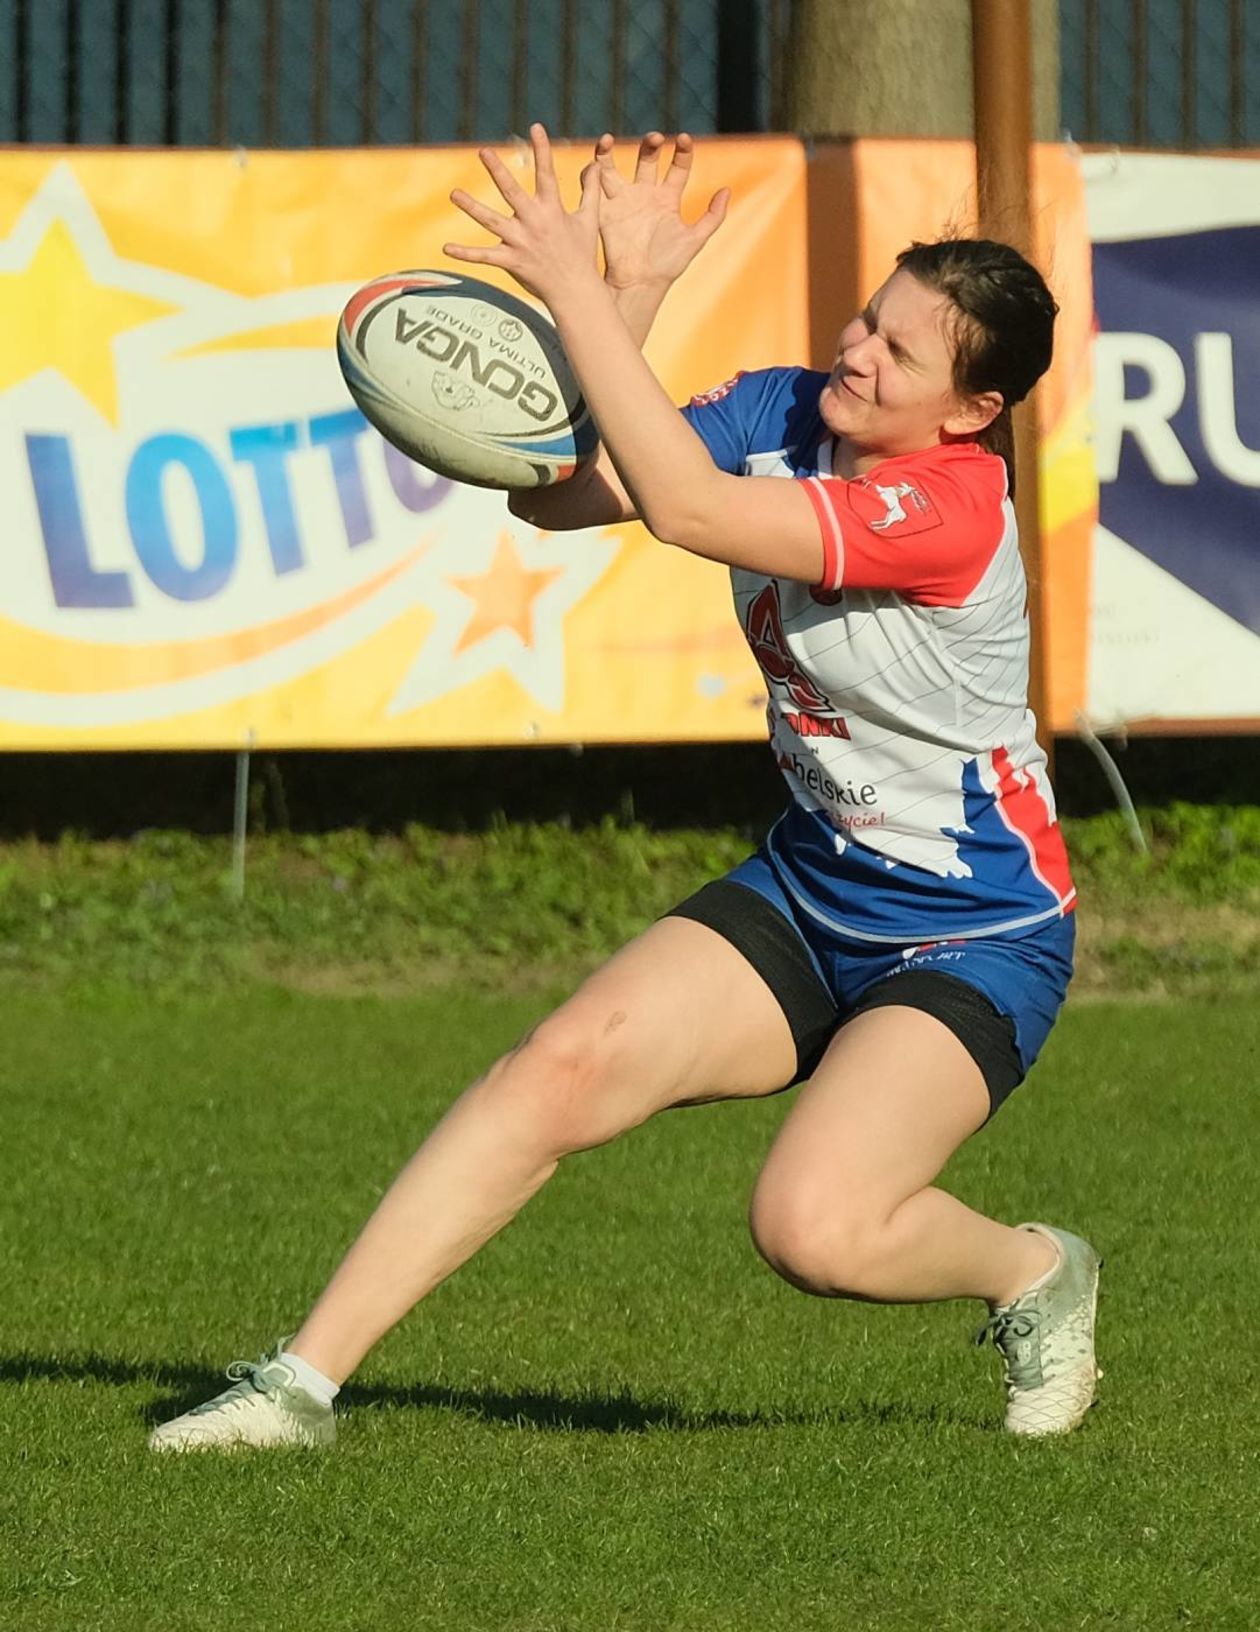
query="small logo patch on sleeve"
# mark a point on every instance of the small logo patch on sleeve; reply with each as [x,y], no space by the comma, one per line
[900,507]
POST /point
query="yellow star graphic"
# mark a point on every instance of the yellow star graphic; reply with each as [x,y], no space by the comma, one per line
[503,598]
[54,315]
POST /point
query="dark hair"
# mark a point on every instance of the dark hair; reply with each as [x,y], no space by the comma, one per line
[1004,335]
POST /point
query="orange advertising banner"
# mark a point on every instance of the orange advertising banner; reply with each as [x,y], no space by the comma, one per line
[206,545]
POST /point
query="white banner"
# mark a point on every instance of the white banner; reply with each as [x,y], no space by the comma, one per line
[1176,561]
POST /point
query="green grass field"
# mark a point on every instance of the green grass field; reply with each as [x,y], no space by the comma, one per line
[616,1417]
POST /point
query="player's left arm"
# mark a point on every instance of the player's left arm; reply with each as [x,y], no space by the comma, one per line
[928,533]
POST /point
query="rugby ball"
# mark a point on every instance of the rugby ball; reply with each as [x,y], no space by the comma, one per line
[467,380]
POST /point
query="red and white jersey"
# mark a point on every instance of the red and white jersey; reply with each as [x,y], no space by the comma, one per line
[898,684]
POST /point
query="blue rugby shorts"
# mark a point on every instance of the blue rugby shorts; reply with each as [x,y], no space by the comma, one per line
[999,995]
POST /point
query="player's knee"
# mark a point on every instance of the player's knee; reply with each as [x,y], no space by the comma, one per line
[553,1082]
[816,1240]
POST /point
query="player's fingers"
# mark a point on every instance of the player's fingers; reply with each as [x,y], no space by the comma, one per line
[714,216]
[514,195]
[545,184]
[511,191]
[609,175]
[493,220]
[592,191]
[680,163]
[702,230]
[649,152]
[482,255]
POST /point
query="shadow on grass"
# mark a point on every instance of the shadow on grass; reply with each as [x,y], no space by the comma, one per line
[188,1385]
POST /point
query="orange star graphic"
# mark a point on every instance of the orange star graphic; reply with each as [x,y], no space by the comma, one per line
[504,597]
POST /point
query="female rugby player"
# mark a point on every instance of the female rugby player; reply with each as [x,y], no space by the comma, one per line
[902,942]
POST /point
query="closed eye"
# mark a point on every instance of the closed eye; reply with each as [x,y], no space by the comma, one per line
[898,353]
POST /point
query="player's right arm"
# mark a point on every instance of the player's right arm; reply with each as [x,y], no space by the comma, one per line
[592,497]
[647,247]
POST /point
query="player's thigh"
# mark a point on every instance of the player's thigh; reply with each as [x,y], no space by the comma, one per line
[677,1016]
[893,1097]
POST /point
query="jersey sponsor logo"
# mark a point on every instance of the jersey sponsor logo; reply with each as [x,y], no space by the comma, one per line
[764,630]
[854,821]
[704,398]
[817,725]
[906,507]
[837,793]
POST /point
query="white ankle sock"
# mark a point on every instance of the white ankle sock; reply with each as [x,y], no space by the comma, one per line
[307,1377]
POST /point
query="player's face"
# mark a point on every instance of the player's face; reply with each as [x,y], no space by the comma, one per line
[891,388]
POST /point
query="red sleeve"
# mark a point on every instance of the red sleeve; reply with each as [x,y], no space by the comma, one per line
[928,532]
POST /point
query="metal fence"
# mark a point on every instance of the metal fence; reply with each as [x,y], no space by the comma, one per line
[300,73]
[1161,73]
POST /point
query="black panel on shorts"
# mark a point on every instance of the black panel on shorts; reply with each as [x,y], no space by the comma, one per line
[986,1034]
[771,944]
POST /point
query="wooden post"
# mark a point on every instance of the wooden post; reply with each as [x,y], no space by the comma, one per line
[1002,83]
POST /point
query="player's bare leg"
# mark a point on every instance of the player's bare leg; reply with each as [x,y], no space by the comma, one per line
[845,1207]
[678,1016]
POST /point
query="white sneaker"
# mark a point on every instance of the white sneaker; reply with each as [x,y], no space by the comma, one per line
[1046,1339]
[264,1406]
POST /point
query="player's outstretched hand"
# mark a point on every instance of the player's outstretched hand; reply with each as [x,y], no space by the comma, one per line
[545,247]
[646,240]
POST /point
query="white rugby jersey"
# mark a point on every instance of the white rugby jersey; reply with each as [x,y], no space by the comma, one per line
[898,685]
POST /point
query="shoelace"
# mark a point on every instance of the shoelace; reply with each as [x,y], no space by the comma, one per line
[1008,1328]
[239,1371]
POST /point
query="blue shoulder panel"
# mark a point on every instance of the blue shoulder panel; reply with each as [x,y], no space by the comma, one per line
[762,411]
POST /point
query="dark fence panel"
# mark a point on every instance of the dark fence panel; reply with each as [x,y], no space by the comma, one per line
[303,73]
[1161,73]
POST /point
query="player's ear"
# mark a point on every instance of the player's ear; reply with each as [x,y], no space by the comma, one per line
[972,414]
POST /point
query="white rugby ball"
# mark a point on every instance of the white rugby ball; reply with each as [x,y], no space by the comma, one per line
[465,379]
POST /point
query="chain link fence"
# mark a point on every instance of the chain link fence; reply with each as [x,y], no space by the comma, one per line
[302,73]
[1161,73]
[331,73]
